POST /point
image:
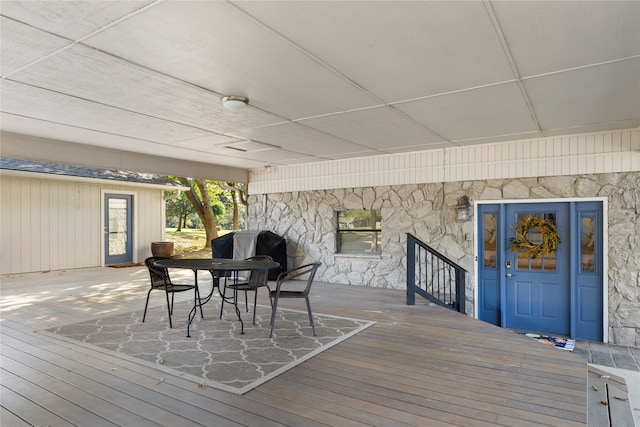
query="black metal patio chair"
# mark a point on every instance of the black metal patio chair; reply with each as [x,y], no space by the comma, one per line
[257,280]
[161,281]
[308,270]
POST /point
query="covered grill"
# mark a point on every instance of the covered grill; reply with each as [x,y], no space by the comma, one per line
[266,243]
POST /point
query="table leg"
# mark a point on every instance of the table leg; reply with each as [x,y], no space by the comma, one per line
[194,310]
[235,301]
[199,302]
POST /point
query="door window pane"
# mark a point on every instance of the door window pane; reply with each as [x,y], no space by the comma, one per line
[587,255]
[489,222]
[118,210]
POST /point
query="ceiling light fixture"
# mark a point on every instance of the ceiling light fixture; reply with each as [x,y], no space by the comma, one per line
[234,103]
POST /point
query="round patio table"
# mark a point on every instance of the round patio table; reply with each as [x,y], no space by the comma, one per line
[219,268]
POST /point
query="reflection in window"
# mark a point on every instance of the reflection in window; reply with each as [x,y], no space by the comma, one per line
[359,231]
[588,245]
[545,262]
[489,221]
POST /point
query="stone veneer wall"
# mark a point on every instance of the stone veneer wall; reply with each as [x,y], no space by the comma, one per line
[308,221]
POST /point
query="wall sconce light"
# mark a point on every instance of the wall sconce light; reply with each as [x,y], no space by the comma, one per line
[463,209]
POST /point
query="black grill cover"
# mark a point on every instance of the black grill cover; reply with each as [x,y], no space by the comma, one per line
[267,243]
[222,247]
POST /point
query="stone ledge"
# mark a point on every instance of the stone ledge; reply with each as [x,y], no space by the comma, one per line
[362,256]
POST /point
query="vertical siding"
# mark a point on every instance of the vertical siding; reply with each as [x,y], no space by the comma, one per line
[5,225]
[55,224]
[606,152]
[94,223]
[34,221]
[149,225]
[69,243]
[44,228]
[56,227]
[21,215]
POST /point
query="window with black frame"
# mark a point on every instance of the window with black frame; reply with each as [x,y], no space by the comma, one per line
[359,231]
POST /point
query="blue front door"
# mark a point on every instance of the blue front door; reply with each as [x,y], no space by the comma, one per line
[559,293]
[537,290]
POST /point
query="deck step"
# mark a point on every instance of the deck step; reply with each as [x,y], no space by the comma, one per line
[608,400]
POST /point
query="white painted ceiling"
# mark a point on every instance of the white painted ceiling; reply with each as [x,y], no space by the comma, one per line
[325,79]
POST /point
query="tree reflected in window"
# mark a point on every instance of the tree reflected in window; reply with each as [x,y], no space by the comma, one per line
[359,231]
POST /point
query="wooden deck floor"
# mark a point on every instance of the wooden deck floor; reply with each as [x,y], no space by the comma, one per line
[417,366]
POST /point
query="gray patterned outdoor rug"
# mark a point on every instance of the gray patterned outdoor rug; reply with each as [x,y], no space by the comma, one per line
[216,355]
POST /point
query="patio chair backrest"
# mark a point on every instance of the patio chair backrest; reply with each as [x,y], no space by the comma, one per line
[299,272]
[159,275]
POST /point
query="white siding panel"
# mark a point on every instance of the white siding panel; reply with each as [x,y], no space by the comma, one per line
[96,224]
[68,213]
[67,238]
[573,166]
[143,212]
[35,206]
[607,143]
[568,155]
[83,217]
[592,141]
[54,225]
[151,222]
[634,143]
[616,142]
[8,248]
[23,221]
[59,222]
[5,256]
[45,232]
[626,163]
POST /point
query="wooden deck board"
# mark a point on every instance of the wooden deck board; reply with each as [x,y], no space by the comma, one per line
[439,403]
[149,385]
[471,364]
[608,400]
[418,365]
[438,382]
[63,388]
[358,409]
[415,406]
[44,392]
[314,410]
[19,410]
[92,382]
